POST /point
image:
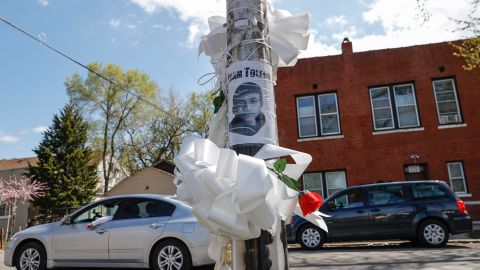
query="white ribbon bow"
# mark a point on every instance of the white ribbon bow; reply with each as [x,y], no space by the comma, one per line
[235,196]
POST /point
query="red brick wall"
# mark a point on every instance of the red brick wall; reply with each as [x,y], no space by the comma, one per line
[369,158]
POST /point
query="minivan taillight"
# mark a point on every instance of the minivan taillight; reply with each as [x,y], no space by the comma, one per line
[461,207]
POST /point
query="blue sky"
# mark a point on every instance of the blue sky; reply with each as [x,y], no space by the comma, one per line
[161,38]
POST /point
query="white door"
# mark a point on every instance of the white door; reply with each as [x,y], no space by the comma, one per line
[76,243]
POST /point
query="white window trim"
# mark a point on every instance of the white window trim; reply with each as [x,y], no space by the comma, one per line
[321,138]
[452,126]
[414,104]
[314,115]
[473,203]
[373,110]
[336,113]
[398,131]
[456,99]
[463,177]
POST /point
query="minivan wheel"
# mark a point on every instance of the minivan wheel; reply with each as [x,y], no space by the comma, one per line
[433,233]
[171,254]
[31,256]
[310,237]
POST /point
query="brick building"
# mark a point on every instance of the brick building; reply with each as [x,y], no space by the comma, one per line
[384,115]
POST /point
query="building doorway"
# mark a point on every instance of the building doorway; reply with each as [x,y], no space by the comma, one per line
[415,172]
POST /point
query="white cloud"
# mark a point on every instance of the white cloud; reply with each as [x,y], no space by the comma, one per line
[194,12]
[336,21]
[162,27]
[43,2]
[350,33]
[40,129]
[403,26]
[317,48]
[131,26]
[114,23]
[9,139]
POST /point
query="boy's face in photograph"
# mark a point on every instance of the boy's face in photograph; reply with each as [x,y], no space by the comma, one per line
[247,106]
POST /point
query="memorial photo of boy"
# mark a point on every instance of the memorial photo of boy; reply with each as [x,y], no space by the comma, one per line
[247,105]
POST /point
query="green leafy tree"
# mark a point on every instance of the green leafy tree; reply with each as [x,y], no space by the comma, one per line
[161,133]
[64,163]
[110,106]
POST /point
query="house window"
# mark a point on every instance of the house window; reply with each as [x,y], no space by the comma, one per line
[3,210]
[394,107]
[457,177]
[448,107]
[325,183]
[318,115]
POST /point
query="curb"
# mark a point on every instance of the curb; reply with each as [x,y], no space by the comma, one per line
[468,240]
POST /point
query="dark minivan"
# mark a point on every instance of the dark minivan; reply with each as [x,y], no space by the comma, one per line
[421,211]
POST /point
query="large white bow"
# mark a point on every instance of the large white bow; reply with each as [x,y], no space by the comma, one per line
[235,196]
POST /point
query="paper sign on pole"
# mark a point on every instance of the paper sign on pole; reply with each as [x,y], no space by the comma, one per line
[251,117]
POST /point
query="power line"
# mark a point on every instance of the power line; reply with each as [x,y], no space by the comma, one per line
[121,87]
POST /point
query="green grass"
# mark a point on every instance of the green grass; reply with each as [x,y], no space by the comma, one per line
[474,234]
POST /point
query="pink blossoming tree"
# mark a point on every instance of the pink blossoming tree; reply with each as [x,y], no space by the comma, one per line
[13,190]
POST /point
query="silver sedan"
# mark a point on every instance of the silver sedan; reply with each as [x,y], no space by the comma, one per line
[131,231]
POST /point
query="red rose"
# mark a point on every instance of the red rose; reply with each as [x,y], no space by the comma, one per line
[310,202]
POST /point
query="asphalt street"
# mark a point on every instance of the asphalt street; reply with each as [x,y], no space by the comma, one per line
[379,255]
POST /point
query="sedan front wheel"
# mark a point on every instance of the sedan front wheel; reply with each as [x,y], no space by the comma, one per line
[31,256]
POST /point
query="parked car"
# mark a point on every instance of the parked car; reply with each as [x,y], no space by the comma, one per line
[131,231]
[421,211]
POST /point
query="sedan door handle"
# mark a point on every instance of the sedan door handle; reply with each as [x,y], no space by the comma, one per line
[360,211]
[156,225]
[376,210]
[100,231]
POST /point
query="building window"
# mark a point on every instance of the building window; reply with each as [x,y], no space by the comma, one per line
[446,98]
[318,115]
[394,107]
[457,177]
[325,183]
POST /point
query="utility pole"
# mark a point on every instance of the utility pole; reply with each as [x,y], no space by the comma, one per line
[251,114]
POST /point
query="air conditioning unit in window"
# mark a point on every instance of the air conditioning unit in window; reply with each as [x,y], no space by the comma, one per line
[449,119]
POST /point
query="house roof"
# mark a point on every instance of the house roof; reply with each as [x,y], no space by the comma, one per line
[165,165]
[17,163]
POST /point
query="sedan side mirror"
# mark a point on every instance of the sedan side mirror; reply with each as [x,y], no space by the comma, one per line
[331,206]
[67,220]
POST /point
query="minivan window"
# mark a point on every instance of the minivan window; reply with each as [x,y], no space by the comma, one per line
[350,199]
[386,195]
[427,191]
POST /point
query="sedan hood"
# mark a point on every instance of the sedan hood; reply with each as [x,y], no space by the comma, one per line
[41,229]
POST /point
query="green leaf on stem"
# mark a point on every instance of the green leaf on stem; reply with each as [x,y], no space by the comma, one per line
[218,101]
[289,182]
[280,165]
